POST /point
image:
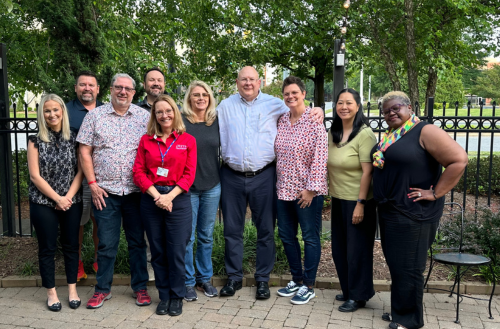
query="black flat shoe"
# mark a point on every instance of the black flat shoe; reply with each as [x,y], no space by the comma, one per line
[394,325]
[175,307]
[352,305]
[162,308]
[74,304]
[340,297]
[56,307]
[262,290]
[230,288]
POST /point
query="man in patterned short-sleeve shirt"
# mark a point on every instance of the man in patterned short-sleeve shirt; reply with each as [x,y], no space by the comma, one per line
[109,138]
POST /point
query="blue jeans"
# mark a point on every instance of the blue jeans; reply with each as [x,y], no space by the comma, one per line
[290,215]
[205,204]
[109,221]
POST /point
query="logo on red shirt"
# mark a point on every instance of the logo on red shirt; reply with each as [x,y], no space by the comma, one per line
[181,147]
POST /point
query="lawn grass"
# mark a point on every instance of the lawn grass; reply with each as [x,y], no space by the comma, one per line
[22,115]
[474,112]
[473,154]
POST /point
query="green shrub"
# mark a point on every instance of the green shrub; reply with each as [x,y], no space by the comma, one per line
[24,177]
[484,172]
[122,265]
[481,236]
[249,249]
[29,268]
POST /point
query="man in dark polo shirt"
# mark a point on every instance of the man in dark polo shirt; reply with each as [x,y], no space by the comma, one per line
[86,88]
[154,85]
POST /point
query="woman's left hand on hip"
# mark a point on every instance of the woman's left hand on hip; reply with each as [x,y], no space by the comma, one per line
[419,194]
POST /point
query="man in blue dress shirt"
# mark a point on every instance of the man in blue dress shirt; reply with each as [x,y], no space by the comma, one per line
[86,89]
[248,128]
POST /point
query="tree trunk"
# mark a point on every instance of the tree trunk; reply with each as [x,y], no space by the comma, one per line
[431,86]
[390,68]
[319,82]
[411,57]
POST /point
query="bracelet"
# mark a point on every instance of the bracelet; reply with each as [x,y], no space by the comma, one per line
[92,182]
[434,194]
[59,200]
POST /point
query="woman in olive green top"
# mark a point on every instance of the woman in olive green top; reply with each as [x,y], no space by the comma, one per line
[353,209]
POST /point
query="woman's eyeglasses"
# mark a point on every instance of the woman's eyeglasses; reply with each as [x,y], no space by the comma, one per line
[395,108]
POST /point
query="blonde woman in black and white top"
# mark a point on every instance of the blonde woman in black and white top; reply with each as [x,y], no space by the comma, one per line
[55,201]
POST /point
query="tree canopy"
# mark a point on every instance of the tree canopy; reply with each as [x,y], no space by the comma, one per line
[409,44]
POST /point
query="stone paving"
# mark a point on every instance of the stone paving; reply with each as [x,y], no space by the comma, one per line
[25,307]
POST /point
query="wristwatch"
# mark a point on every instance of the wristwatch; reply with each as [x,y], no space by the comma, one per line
[362,201]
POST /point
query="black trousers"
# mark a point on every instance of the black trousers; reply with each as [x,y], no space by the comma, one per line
[46,221]
[260,193]
[405,243]
[352,248]
[168,235]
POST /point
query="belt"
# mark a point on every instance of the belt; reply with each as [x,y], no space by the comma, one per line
[250,173]
[164,189]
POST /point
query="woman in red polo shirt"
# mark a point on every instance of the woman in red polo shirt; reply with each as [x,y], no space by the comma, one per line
[164,170]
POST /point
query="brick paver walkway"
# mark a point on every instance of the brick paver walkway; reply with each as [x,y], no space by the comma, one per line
[25,307]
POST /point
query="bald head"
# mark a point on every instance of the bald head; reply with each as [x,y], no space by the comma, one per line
[248,83]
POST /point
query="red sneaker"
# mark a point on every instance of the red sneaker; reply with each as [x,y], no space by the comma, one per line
[94,266]
[142,297]
[81,272]
[98,299]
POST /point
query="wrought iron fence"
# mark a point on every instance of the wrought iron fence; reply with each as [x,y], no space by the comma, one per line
[475,129]
[476,133]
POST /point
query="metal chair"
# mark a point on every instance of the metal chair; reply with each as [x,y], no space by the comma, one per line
[460,259]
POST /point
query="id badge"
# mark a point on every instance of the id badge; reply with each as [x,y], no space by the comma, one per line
[162,172]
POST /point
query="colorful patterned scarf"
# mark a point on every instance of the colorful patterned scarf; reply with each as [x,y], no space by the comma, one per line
[390,137]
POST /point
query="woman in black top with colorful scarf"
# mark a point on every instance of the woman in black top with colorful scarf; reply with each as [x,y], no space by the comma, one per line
[409,186]
[55,200]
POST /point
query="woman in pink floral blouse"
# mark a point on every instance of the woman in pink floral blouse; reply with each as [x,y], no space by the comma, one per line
[301,148]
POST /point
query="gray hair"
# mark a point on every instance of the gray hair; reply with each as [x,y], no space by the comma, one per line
[122,75]
[399,95]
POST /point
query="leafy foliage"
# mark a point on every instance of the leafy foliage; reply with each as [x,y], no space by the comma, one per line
[481,235]
[488,82]
[24,176]
[481,180]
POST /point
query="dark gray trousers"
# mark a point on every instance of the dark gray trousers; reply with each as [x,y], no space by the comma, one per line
[260,193]
[352,248]
[405,243]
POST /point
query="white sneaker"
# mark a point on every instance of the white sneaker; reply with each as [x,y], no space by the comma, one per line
[303,296]
[290,289]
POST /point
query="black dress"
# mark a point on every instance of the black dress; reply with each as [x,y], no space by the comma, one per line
[407,228]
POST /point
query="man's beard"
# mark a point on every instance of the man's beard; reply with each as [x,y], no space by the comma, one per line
[87,98]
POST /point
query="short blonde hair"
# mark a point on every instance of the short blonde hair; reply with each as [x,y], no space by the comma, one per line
[43,128]
[399,95]
[210,113]
[154,127]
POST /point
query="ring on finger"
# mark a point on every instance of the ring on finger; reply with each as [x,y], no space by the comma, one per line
[419,194]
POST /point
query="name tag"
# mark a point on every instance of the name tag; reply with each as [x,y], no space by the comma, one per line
[162,172]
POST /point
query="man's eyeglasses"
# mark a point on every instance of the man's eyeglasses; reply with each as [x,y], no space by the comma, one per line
[197,95]
[248,80]
[395,108]
[119,88]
